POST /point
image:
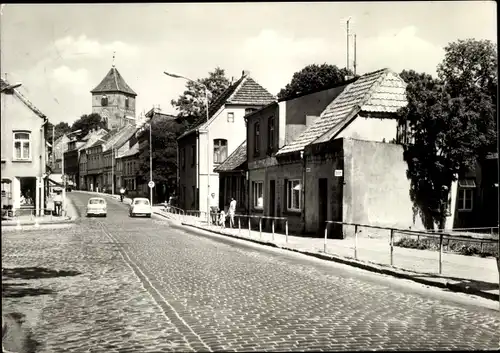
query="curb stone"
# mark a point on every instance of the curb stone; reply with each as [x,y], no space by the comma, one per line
[368,266]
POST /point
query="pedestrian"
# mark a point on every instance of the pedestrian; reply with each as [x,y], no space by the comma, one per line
[122,194]
[214,208]
[232,211]
[222,219]
[58,203]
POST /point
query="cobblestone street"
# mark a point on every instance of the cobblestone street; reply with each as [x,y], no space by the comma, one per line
[142,285]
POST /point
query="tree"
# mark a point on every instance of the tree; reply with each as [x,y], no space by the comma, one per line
[451,123]
[191,104]
[59,130]
[164,136]
[88,122]
[313,77]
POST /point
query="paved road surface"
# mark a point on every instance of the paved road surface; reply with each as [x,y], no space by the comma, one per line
[197,292]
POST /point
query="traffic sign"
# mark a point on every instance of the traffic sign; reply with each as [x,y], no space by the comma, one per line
[151,184]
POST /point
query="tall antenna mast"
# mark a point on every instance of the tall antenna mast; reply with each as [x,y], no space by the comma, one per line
[348,43]
[354,55]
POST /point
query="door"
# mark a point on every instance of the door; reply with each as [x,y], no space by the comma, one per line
[322,205]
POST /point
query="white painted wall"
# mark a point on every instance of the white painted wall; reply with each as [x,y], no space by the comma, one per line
[371,129]
[219,128]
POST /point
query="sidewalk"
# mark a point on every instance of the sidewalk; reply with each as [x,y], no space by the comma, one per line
[469,274]
[31,222]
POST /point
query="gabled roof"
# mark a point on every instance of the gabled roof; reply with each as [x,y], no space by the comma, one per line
[245,91]
[91,138]
[235,160]
[22,98]
[113,82]
[130,152]
[381,91]
[123,135]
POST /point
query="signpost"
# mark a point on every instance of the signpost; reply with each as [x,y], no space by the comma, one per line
[338,172]
[151,184]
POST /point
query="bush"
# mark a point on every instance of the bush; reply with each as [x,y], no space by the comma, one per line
[460,247]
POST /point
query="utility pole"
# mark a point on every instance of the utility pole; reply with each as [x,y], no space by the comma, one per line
[53,147]
[354,55]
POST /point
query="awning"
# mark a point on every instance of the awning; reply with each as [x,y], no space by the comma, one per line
[55,183]
[6,181]
[467,183]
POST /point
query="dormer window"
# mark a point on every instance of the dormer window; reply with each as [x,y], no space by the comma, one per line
[126,102]
[104,100]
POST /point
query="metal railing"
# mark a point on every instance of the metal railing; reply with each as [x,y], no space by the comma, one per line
[392,231]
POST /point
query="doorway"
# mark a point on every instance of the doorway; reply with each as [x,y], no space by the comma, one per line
[322,205]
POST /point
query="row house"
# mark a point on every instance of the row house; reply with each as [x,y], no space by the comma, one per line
[89,139]
[59,147]
[207,145]
[90,155]
[24,153]
[127,165]
[114,145]
[72,160]
[326,155]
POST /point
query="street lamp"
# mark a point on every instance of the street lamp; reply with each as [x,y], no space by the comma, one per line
[62,171]
[208,135]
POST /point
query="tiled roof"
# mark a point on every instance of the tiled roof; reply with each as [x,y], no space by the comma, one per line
[113,82]
[123,135]
[245,91]
[23,99]
[378,91]
[235,160]
[130,152]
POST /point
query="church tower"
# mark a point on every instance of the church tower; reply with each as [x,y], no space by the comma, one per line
[114,100]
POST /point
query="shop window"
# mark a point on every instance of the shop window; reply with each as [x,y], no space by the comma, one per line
[22,146]
[294,195]
[220,151]
[258,194]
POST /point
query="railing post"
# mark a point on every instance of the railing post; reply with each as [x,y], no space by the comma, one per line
[249,230]
[260,228]
[326,236]
[440,253]
[239,225]
[272,226]
[392,247]
[356,241]
[286,230]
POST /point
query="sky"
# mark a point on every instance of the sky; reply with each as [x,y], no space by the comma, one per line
[60,52]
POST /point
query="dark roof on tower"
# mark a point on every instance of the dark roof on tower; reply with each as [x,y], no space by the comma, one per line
[113,82]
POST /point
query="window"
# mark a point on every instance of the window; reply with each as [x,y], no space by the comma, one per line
[126,102]
[294,197]
[220,151]
[104,100]
[256,140]
[466,194]
[270,134]
[258,194]
[193,155]
[22,146]
[230,117]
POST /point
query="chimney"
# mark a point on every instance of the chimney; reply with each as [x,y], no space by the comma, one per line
[245,73]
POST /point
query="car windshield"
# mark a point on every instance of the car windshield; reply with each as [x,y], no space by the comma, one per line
[141,202]
[96,202]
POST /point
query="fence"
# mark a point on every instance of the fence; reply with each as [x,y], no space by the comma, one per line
[394,231]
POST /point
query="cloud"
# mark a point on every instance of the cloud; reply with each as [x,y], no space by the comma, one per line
[398,50]
[74,48]
[65,76]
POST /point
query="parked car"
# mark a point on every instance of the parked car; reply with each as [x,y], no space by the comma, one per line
[140,206]
[97,207]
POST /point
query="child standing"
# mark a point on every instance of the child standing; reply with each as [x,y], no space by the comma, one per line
[222,219]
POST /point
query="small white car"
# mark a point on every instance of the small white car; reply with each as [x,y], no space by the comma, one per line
[97,207]
[140,206]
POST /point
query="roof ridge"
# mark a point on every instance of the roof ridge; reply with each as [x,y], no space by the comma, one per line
[114,75]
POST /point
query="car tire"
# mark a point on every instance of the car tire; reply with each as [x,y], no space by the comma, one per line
[149,215]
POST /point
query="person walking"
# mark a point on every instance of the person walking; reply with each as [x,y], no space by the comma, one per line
[122,194]
[214,208]
[58,203]
[232,212]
